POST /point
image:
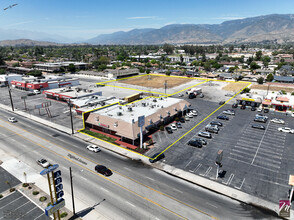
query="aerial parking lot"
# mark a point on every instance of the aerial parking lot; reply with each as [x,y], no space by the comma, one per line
[255,161]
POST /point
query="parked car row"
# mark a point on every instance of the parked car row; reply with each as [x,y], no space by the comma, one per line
[176,125]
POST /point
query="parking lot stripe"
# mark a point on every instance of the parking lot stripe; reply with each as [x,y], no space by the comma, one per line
[39,216]
[11,202]
[188,164]
[197,168]
[243,152]
[229,180]
[259,145]
[270,153]
[27,212]
[207,171]
[241,184]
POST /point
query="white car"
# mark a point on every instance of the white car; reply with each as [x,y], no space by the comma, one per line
[173,126]
[261,116]
[190,115]
[43,162]
[36,91]
[93,148]
[259,109]
[181,95]
[12,119]
[228,112]
[286,130]
[278,121]
[194,112]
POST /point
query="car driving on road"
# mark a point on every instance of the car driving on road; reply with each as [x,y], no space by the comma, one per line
[103,170]
[43,162]
[12,119]
[93,148]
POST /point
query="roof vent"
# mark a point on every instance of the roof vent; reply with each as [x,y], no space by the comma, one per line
[119,114]
[130,109]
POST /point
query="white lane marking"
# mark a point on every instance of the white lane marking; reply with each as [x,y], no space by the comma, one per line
[260,144]
[131,204]
[177,190]
[11,202]
[238,160]
[104,189]
[27,212]
[211,205]
[207,171]
[150,178]
[241,184]
[39,216]
[188,164]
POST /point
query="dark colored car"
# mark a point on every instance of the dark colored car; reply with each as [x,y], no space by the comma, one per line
[253,109]
[222,117]
[179,125]
[260,119]
[201,140]
[218,123]
[195,143]
[265,110]
[31,94]
[156,157]
[103,170]
[258,127]
[235,105]
[192,96]
[221,102]
[182,120]
[204,134]
[243,107]
[169,130]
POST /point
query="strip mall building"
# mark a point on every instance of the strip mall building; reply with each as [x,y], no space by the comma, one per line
[122,120]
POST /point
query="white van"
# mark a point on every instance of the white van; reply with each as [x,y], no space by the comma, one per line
[36,91]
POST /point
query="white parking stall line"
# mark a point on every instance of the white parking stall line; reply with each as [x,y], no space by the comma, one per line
[241,184]
[270,153]
[240,146]
[159,137]
[211,205]
[245,143]
[149,178]
[259,145]
[243,152]
[287,186]
[271,160]
[27,212]
[207,171]
[274,141]
[229,180]
[39,216]
[197,168]
[187,164]
[11,202]
[239,156]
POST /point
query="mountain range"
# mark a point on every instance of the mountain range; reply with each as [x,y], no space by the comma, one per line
[275,28]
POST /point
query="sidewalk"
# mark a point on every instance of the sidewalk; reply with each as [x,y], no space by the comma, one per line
[201,181]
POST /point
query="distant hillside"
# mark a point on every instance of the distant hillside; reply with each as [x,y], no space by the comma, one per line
[270,28]
[27,42]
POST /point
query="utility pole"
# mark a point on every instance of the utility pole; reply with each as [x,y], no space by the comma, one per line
[10,97]
[72,128]
[165,86]
[72,194]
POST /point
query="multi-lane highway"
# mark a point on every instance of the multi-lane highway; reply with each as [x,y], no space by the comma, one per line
[134,191]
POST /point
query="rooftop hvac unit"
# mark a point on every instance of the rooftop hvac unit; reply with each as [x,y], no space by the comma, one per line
[119,114]
[143,104]
[130,109]
[154,100]
[119,107]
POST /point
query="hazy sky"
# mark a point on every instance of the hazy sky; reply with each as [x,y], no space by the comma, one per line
[89,18]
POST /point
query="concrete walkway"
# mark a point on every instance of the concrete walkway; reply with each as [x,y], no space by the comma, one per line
[201,181]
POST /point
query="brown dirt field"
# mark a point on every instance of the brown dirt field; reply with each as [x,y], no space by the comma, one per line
[155,81]
[272,88]
[234,87]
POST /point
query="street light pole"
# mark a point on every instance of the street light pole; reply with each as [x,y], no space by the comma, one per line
[72,194]
[10,97]
[72,129]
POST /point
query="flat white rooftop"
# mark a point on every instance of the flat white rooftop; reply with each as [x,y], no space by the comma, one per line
[131,112]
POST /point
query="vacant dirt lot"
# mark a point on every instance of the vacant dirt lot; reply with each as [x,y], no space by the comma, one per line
[272,88]
[156,81]
[234,87]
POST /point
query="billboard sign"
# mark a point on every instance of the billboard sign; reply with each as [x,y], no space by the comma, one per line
[49,169]
[53,208]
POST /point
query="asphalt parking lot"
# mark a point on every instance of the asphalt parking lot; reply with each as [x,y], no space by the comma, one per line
[255,161]
[58,110]
[17,206]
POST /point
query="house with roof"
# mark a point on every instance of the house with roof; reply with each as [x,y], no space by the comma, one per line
[283,79]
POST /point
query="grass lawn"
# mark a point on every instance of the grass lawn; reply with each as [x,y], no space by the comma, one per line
[100,136]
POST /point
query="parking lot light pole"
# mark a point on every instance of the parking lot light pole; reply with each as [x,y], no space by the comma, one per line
[9,91]
[72,193]
[218,161]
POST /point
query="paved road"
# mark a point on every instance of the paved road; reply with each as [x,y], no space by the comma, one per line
[135,191]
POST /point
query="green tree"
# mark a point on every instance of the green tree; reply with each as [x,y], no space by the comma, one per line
[258,55]
[260,80]
[148,71]
[2,71]
[270,77]
[168,48]
[254,66]
[71,68]
[168,73]
[35,73]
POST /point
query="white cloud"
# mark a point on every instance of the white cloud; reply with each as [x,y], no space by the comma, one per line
[146,17]
[19,23]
